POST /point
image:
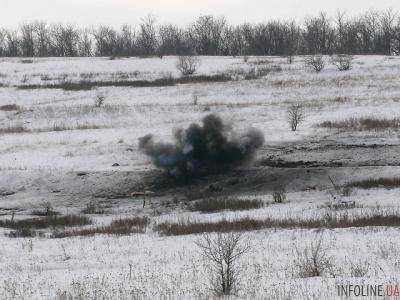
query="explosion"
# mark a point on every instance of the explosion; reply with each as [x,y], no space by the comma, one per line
[212,146]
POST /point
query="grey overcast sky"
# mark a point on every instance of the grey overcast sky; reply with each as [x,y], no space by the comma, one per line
[117,12]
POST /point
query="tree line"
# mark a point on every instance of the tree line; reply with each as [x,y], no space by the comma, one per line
[373,32]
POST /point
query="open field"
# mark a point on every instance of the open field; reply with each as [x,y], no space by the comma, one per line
[75,163]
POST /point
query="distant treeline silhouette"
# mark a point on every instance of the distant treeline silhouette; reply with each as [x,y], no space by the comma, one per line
[373,32]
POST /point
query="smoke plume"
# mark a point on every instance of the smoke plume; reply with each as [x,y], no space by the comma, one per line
[211,146]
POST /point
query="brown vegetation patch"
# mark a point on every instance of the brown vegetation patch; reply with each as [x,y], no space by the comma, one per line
[10,107]
[62,127]
[13,130]
[388,183]
[117,227]
[217,204]
[168,81]
[46,222]
[249,224]
[363,124]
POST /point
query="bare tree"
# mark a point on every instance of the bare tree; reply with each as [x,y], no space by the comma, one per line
[316,62]
[148,35]
[99,101]
[374,32]
[42,38]
[223,253]
[291,40]
[85,44]
[207,33]
[395,41]
[65,40]
[13,43]
[187,65]
[128,40]
[172,41]
[387,25]
[27,39]
[319,34]
[295,116]
[3,42]
[105,38]
[343,62]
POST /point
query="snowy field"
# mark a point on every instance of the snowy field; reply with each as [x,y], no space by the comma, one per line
[69,154]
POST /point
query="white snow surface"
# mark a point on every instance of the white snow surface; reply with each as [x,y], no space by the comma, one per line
[35,163]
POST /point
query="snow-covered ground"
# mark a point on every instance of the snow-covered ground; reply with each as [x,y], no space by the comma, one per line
[41,165]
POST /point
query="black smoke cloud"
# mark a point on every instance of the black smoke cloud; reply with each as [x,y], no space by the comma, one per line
[211,146]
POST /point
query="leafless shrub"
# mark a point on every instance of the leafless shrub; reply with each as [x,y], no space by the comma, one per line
[195,99]
[295,115]
[343,62]
[388,251]
[187,65]
[359,269]
[25,79]
[315,62]
[313,260]
[223,254]
[99,101]
[279,195]
[65,255]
